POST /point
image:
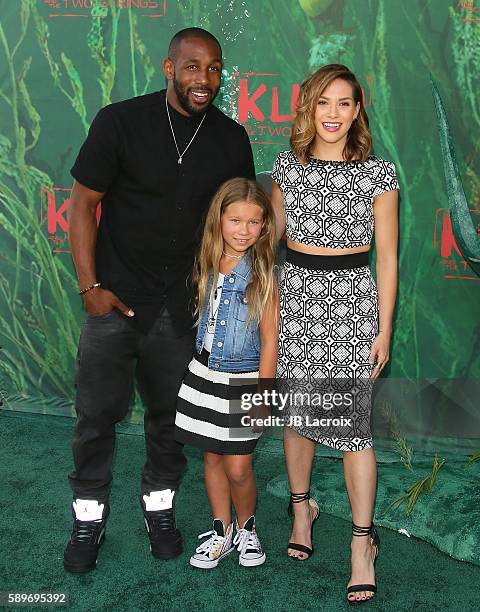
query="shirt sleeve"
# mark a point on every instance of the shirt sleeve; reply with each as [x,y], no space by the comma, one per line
[387,180]
[98,161]
[276,172]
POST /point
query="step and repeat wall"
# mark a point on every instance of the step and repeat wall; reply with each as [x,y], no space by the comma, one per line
[62,60]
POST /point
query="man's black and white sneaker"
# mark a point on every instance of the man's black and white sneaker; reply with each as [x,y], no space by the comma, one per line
[218,545]
[248,545]
[88,534]
[159,515]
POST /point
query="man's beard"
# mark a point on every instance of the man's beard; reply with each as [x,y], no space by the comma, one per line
[183,100]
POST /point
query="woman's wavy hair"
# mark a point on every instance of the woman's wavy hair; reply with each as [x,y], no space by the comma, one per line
[359,139]
[261,287]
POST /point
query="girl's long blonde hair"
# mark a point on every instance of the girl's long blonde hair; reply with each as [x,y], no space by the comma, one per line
[359,139]
[261,288]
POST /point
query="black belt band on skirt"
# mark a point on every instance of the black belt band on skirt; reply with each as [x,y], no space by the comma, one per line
[203,357]
[327,262]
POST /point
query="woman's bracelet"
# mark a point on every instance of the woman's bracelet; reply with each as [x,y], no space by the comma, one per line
[94,286]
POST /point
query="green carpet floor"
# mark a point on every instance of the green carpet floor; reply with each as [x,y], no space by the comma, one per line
[35,497]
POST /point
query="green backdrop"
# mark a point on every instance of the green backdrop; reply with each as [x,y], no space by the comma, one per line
[61,60]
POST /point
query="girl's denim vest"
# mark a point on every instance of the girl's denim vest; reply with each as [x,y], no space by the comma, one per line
[236,341]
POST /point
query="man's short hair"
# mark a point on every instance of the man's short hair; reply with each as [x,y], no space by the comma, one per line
[190,33]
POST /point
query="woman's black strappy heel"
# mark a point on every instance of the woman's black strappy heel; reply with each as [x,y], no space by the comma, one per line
[296,498]
[374,541]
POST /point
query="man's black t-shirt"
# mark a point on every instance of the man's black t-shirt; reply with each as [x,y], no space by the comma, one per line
[153,209]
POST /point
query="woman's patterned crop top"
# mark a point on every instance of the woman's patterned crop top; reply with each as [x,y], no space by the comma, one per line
[330,203]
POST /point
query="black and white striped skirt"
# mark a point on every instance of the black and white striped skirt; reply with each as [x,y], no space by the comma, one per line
[209,412]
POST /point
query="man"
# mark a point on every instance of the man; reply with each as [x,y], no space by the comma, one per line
[154,162]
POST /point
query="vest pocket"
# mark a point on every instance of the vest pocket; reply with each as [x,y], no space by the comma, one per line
[245,343]
[240,326]
[240,310]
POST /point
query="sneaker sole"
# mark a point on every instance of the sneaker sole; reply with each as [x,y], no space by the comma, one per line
[166,555]
[209,564]
[79,569]
[252,562]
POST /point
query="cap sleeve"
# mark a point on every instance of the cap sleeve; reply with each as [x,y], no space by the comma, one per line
[97,162]
[277,170]
[387,178]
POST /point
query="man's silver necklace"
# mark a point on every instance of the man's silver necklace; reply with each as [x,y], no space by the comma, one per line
[180,155]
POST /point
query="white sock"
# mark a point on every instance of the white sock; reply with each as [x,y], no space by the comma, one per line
[88,509]
[159,500]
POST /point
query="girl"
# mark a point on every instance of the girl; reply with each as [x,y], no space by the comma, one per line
[237,317]
[331,195]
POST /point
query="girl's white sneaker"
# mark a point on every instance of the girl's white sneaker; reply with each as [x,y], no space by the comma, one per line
[248,545]
[218,545]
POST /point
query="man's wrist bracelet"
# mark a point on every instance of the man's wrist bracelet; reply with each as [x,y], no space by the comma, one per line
[94,286]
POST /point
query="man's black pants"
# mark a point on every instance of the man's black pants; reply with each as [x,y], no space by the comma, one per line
[111,354]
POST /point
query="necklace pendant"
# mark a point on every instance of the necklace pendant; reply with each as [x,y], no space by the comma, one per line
[180,155]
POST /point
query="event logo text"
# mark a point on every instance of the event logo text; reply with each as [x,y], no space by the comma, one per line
[266,105]
[54,205]
[97,8]
[451,260]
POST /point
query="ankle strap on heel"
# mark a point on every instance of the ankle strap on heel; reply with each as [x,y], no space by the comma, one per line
[296,498]
[361,531]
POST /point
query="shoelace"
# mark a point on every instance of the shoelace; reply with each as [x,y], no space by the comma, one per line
[211,543]
[245,540]
[163,520]
[84,532]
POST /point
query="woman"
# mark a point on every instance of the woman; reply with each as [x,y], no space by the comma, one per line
[332,196]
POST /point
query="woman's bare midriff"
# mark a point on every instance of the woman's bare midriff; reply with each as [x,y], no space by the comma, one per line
[313,250]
